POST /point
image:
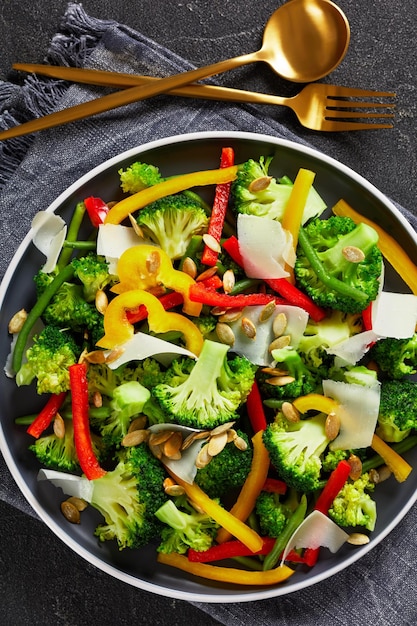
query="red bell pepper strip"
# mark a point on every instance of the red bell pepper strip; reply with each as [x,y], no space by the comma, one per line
[296,297]
[255,409]
[97,210]
[367,317]
[82,438]
[274,485]
[168,301]
[198,293]
[218,213]
[214,282]
[281,285]
[228,550]
[46,415]
[231,245]
[334,484]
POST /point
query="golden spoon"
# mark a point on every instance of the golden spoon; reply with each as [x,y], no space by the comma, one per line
[303,41]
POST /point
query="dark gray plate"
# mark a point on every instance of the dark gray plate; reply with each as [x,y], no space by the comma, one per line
[178,155]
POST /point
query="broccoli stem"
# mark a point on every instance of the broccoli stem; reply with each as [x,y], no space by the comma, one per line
[38,308]
[327,279]
[72,234]
[292,524]
[363,237]
[195,245]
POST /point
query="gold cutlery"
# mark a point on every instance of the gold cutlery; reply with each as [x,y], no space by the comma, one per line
[317,106]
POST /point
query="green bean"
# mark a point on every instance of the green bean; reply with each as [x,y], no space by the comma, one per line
[330,281]
[242,285]
[72,234]
[80,245]
[34,314]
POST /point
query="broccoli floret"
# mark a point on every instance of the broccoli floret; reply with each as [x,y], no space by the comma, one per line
[93,272]
[295,449]
[331,459]
[318,337]
[397,409]
[48,359]
[126,403]
[270,197]
[396,357]
[339,263]
[185,527]
[170,222]
[148,373]
[59,452]
[128,497]
[289,360]
[272,514]
[227,470]
[353,506]
[138,176]
[208,392]
[43,279]
[103,379]
[68,309]
[206,324]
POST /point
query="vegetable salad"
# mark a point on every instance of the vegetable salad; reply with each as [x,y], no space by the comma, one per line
[225,381]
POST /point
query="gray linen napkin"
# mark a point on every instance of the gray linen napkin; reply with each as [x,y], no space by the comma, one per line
[34,170]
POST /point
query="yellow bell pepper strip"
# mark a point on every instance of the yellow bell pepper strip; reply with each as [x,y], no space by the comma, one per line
[226,574]
[118,329]
[399,466]
[315,402]
[294,210]
[145,267]
[224,518]
[390,248]
[138,200]
[252,486]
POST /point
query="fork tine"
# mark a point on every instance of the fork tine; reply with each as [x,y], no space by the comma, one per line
[335,102]
[335,126]
[331,114]
[336,91]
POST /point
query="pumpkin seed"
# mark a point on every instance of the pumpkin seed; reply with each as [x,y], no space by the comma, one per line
[225,333]
[189,267]
[70,512]
[101,301]
[279,324]
[211,242]
[353,254]
[259,184]
[17,321]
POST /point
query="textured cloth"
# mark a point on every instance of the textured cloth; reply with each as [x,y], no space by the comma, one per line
[34,170]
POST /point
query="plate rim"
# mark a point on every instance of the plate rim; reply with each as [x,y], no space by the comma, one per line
[238,596]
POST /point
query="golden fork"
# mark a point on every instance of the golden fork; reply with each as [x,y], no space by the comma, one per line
[317,106]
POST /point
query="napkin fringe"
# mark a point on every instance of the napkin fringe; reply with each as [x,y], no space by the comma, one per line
[79,35]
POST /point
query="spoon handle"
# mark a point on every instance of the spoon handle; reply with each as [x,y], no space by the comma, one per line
[126,96]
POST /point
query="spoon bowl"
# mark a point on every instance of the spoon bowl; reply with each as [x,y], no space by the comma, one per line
[305,40]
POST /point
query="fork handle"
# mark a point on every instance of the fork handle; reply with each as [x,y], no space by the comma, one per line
[120,80]
[126,96]
[135,85]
